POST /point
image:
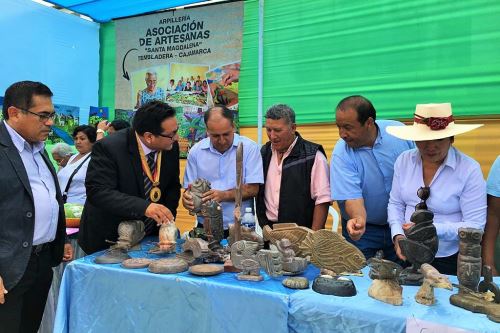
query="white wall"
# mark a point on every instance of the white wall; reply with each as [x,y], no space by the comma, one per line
[39,43]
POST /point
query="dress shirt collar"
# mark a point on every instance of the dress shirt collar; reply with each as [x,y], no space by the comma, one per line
[450,160]
[207,144]
[287,152]
[20,143]
[145,148]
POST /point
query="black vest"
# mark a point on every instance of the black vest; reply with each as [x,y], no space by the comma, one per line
[296,204]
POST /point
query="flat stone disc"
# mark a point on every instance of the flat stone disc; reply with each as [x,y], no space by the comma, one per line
[168,266]
[206,269]
[137,263]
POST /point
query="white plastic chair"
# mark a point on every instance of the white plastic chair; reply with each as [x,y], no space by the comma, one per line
[335,217]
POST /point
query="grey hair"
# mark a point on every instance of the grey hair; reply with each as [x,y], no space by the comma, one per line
[281,111]
[62,149]
[151,72]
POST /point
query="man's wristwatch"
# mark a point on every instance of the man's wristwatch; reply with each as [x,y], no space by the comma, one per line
[100,130]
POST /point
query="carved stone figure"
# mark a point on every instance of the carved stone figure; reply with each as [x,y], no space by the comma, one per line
[210,210]
[469,257]
[432,279]
[250,270]
[420,246]
[270,261]
[470,296]
[242,250]
[291,264]
[330,250]
[296,234]
[130,233]
[246,234]
[167,239]
[385,286]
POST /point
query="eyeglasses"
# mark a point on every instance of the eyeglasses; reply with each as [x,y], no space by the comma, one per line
[171,136]
[43,116]
[423,193]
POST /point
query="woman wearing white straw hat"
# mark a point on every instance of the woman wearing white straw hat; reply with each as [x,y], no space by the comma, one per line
[452,183]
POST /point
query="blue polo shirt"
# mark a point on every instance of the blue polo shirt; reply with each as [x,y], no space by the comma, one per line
[493,183]
[366,172]
[204,161]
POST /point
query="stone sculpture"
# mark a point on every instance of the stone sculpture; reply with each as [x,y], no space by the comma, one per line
[385,286]
[135,263]
[330,250]
[210,210]
[167,239]
[474,295]
[246,234]
[290,263]
[194,250]
[419,247]
[243,257]
[291,231]
[432,279]
[130,233]
[270,261]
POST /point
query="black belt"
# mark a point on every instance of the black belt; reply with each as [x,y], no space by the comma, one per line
[36,249]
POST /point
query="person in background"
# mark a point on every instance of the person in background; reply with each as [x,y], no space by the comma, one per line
[151,92]
[61,152]
[32,217]
[492,228]
[296,176]
[105,126]
[171,86]
[214,159]
[122,182]
[188,86]
[361,171]
[453,182]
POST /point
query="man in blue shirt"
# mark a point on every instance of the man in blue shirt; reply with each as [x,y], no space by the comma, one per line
[361,170]
[214,159]
[31,215]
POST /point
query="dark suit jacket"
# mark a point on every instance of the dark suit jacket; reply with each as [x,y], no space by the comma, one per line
[17,213]
[115,188]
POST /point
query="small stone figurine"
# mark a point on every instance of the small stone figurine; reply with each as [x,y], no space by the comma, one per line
[130,233]
[432,279]
[470,297]
[385,286]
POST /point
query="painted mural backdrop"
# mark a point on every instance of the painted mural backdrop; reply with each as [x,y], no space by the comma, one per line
[188,58]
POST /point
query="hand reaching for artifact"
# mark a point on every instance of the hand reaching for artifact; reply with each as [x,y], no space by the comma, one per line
[103,125]
[159,213]
[216,195]
[397,248]
[3,291]
[187,200]
[356,228]
[68,252]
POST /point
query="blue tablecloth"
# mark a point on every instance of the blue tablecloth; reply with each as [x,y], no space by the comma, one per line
[313,312]
[109,298]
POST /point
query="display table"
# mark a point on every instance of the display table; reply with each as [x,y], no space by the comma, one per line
[109,298]
[313,312]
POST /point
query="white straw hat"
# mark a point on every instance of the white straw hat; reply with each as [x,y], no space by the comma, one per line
[431,122]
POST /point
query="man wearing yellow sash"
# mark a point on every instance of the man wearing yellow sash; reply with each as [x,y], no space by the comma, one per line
[133,174]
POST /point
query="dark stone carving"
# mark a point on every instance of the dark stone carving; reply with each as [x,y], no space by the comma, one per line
[419,247]
[338,286]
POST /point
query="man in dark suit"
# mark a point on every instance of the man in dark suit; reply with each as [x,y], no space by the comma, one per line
[32,222]
[117,177]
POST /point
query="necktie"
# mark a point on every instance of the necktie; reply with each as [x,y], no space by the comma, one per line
[149,223]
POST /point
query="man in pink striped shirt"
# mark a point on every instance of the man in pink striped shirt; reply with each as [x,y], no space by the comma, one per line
[296,175]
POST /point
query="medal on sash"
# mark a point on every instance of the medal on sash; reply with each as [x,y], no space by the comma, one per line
[155,193]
